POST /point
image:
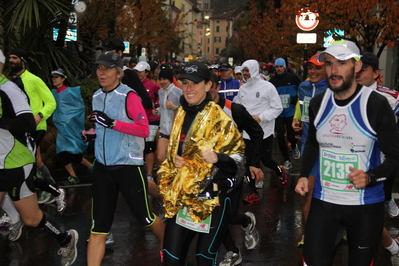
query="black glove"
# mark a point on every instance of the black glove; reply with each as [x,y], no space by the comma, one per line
[89,135]
[102,119]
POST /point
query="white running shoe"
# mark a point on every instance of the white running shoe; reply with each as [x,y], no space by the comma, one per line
[231,258]
[251,234]
[287,165]
[61,200]
[5,220]
[393,209]
[15,230]
[69,252]
[296,153]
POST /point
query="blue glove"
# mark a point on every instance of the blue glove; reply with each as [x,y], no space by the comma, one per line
[102,119]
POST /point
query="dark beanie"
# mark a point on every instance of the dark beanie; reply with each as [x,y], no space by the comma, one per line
[166,73]
[20,53]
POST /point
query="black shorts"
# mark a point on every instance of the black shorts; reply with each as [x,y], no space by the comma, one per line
[67,157]
[150,147]
[38,136]
[162,135]
[18,182]
[107,183]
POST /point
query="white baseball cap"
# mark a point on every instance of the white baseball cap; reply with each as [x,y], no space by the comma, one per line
[238,69]
[341,50]
[141,66]
[2,57]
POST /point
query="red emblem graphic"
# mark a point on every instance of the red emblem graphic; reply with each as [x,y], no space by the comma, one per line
[337,123]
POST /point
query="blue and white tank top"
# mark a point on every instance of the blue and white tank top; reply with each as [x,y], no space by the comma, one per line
[346,140]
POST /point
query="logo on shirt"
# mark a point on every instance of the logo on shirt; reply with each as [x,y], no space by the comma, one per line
[355,148]
[337,123]
[329,145]
[257,94]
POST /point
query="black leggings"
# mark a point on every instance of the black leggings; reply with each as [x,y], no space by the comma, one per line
[363,224]
[177,239]
[236,217]
[282,125]
[267,160]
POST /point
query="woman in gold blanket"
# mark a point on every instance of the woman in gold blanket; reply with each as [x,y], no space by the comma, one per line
[204,162]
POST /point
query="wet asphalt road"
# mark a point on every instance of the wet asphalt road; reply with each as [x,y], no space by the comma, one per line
[278,217]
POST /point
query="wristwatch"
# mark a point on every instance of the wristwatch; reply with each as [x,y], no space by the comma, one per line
[40,114]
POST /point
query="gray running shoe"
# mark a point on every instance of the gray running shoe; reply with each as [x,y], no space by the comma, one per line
[44,197]
[231,259]
[69,252]
[61,200]
[259,184]
[393,209]
[251,234]
[15,230]
[109,240]
[287,165]
[295,152]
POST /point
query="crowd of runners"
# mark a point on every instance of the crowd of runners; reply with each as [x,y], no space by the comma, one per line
[180,142]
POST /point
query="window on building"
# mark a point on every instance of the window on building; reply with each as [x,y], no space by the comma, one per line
[217,51]
[206,5]
[217,28]
[217,21]
[218,39]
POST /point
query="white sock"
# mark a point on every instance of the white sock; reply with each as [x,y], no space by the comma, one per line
[393,248]
[9,208]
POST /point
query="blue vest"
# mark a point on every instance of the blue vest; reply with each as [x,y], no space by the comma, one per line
[306,91]
[113,147]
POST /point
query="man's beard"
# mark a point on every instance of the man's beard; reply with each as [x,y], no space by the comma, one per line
[16,67]
[346,82]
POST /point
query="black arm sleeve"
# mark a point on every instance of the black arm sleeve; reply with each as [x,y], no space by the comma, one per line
[131,79]
[246,122]
[382,120]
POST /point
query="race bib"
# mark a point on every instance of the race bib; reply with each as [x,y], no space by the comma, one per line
[335,168]
[153,133]
[285,100]
[185,220]
[305,109]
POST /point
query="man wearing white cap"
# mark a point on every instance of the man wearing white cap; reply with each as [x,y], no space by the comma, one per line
[238,74]
[354,125]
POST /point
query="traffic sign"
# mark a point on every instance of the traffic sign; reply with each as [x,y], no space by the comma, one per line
[307,20]
[306,37]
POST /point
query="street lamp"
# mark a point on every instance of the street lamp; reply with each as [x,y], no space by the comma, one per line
[207,34]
